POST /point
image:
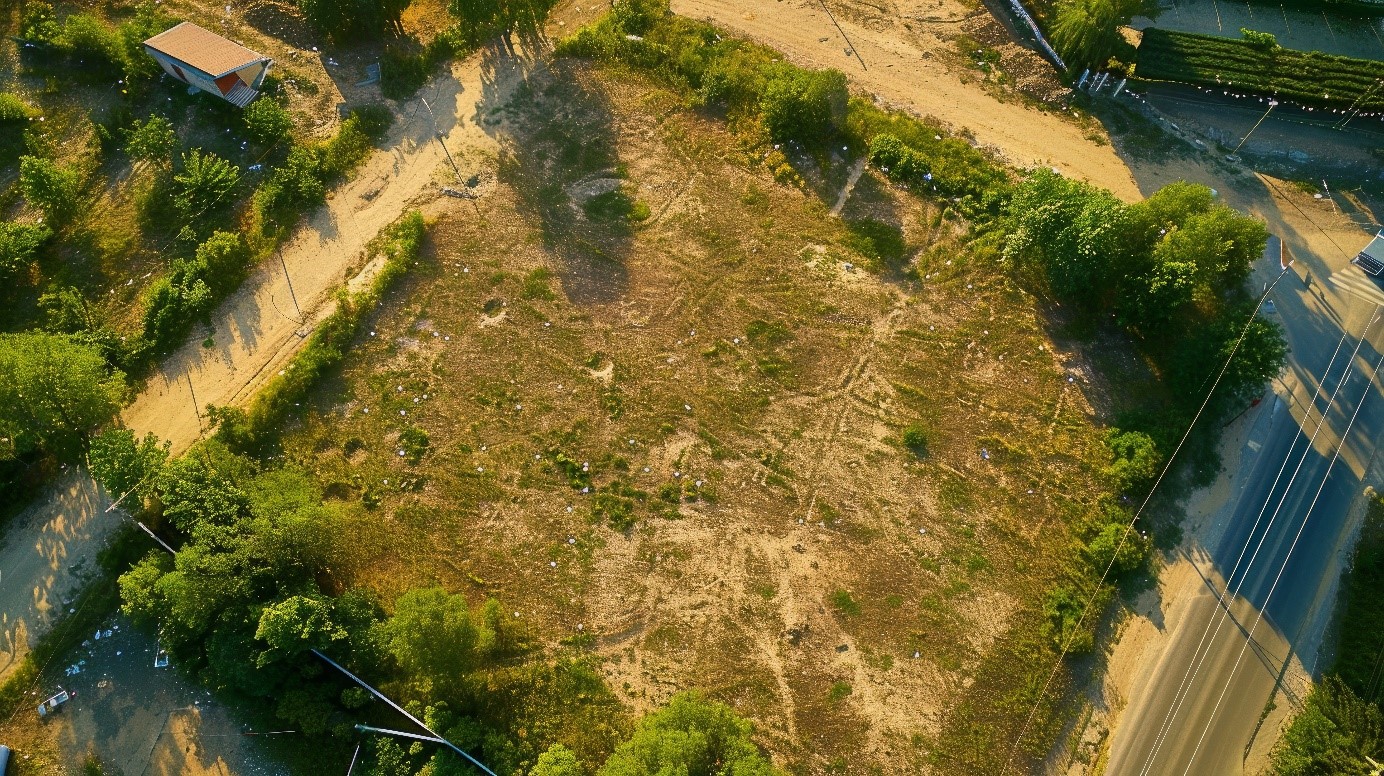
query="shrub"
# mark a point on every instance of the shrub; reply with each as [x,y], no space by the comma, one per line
[689,736]
[14,110]
[373,120]
[88,40]
[223,259]
[1117,547]
[636,17]
[266,122]
[403,71]
[172,303]
[152,140]
[344,152]
[413,443]
[803,105]
[1066,623]
[55,389]
[50,187]
[1264,41]
[204,184]
[845,603]
[18,244]
[915,438]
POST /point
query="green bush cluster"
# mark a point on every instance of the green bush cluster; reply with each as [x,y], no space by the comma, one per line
[300,182]
[946,166]
[748,81]
[19,244]
[400,244]
[88,42]
[1341,723]
[1307,77]
[14,110]
[190,291]
[53,188]
[1171,269]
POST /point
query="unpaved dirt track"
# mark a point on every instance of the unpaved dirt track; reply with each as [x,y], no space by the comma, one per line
[903,74]
[255,333]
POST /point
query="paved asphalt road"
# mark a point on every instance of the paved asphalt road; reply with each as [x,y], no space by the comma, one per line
[1286,523]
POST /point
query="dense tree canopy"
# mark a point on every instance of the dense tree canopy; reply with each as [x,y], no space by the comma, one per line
[690,736]
[54,392]
[1087,32]
[1332,736]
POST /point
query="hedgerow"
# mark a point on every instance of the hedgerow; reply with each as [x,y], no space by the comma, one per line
[1308,77]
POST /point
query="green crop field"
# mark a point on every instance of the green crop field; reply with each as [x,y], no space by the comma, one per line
[1307,77]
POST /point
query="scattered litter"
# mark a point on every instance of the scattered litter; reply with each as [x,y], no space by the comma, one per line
[631,441]
[401,453]
[922,531]
[401,412]
[984,453]
[98,635]
[552,563]
[677,474]
[366,410]
[571,540]
[687,407]
[916,654]
[161,659]
[117,653]
[569,507]
[372,333]
[480,470]
[646,470]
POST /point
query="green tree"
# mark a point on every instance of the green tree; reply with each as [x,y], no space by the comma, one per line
[558,760]
[1197,359]
[18,245]
[225,258]
[151,140]
[1135,460]
[122,462]
[1117,547]
[1087,32]
[49,186]
[140,598]
[433,636]
[295,625]
[1332,736]
[690,736]
[204,184]
[1220,243]
[266,122]
[55,390]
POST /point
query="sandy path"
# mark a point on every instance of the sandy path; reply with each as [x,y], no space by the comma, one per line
[903,74]
[255,332]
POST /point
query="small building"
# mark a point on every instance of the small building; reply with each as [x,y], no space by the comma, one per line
[207,61]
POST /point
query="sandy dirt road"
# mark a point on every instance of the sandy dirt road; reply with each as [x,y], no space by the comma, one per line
[255,332]
[909,71]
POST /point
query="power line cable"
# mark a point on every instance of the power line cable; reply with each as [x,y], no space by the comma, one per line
[1129,527]
[1189,677]
[1282,567]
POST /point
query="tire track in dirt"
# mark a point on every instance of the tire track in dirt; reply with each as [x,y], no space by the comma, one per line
[52,543]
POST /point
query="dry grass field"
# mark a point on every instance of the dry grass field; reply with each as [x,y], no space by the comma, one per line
[656,402]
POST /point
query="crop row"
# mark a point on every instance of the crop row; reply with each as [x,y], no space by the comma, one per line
[1307,77]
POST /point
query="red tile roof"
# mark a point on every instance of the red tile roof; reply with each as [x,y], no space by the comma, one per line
[202,49]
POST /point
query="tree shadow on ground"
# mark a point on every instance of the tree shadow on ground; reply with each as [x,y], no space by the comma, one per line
[559,152]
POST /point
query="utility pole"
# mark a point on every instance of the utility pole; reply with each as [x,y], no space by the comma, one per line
[455,170]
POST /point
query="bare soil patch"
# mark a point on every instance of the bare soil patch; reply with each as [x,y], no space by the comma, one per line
[673,438]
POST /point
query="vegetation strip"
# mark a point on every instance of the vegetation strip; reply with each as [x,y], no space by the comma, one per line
[1257,64]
